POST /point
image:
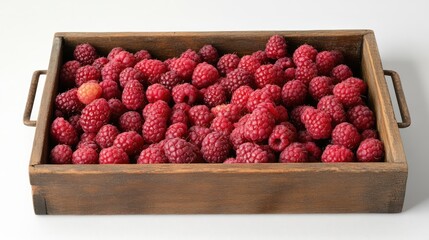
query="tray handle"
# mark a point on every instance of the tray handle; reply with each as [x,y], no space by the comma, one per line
[400,98]
[30,98]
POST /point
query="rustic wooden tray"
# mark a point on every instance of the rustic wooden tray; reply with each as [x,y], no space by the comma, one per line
[222,188]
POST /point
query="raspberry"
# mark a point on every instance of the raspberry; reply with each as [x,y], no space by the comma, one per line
[348,94]
[369,133]
[85,53]
[89,91]
[87,137]
[63,132]
[68,102]
[179,116]
[295,116]
[320,87]
[176,130]
[68,73]
[130,121]
[111,71]
[325,62]
[197,134]
[74,121]
[231,111]
[237,137]
[259,126]
[289,74]
[359,83]
[61,154]
[106,135]
[170,79]
[314,152]
[235,79]
[304,136]
[230,161]
[215,95]
[154,154]
[117,108]
[154,129]
[85,74]
[95,115]
[110,89]
[241,95]
[337,153]
[181,106]
[370,150]
[88,144]
[317,122]
[306,71]
[85,155]
[200,115]
[215,147]
[280,138]
[331,105]
[178,150]
[304,53]
[270,154]
[252,153]
[294,93]
[285,63]
[131,142]
[291,127]
[268,74]
[275,92]
[113,155]
[191,54]
[268,107]
[133,96]
[361,117]
[129,74]
[282,114]
[347,135]
[222,125]
[113,52]
[256,97]
[227,63]
[169,61]
[142,54]
[249,63]
[184,67]
[242,120]
[204,75]
[341,73]
[261,56]
[100,62]
[185,93]
[338,55]
[151,69]
[158,109]
[276,47]
[209,54]
[294,153]
[126,58]
[157,92]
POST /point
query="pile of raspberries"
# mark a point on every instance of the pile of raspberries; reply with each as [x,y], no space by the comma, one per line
[268,106]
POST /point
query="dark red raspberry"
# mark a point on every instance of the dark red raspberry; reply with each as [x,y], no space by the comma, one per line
[68,102]
[304,136]
[130,74]
[241,95]
[74,121]
[95,115]
[142,54]
[68,73]
[306,71]
[275,92]
[249,63]
[347,135]
[259,126]
[285,63]
[227,63]
[341,73]
[317,122]
[89,91]
[280,138]
[185,93]
[85,74]
[215,147]
[154,129]
[337,153]
[338,55]
[130,121]
[113,52]
[197,134]
[295,116]
[63,132]
[191,54]
[331,105]
[314,152]
[230,161]
[106,135]
[133,96]
[204,75]
[276,47]
[235,79]
[320,86]
[170,79]
[370,150]
[110,89]
[268,74]
[61,154]
[151,69]
[361,117]
[126,58]
[131,142]
[222,125]
[256,97]
[178,150]
[184,67]
[261,56]
[113,155]
[157,92]
[289,74]
[252,153]
[179,116]
[177,130]
[85,155]
[117,108]
[348,94]
[85,53]
[158,109]
[294,153]
[291,127]
[200,115]
[154,154]
[231,111]
[86,137]
[237,137]
[209,54]
[304,53]
[169,61]
[325,62]
[359,83]
[369,133]
[111,71]
[294,93]
[88,144]
[100,62]
[215,95]
[282,114]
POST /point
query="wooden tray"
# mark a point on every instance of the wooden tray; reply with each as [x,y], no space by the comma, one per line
[222,188]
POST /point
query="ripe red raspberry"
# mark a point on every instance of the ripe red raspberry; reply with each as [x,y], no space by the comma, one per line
[154,129]
[227,63]
[179,116]
[154,154]
[338,55]
[331,105]
[304,53]
[282,114]
[337,153]
[275,92]
[197,134]
[289,74]
[222,125]
[110,89]
[68,73]
[347,94]
[185,93]
[294,153]
[181,106]
[85,155]
[89,91]
[215,147]
[304,136]
[359,83]
[158,109]
[111,71]
[268,74]
[126,58]
[361,117]
[209,54]
[95,115]
[268,107]
[347,135]
[157,92]
[133,96]
[169,61]
[85,53]
[294,93]
[184,67]
[106,135]
[285,63]
[131,142]
[295,116]
[341,73]
[230,161]
[178,150]
[215,95]
[280,138]
[252,153]
[317,122]
[177,130]
[151,69]
[256,97]
[113,155]
[235,79]
[241,95]
[63,132]
[231,111]
[130,121]
[314,152]
[68,102]
[86,73]
[200,115]
[261,56]
[325,62]
[369,133]
[129,74]
[74,121]
[237,137]
[249,63]
[113,52]
[191,54]
[170,79]
[370,150]
[320,86]
[117,108]
[276,47]
[100,62]
[204,75]
[306,71]
[142,54]
[259,126]
[61,154]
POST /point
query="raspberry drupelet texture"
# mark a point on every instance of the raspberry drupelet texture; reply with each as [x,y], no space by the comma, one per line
[74,121]
[369,133]
[170,79]
[129,74]
[320,86]
[133,96]
[252,153]
[261,56]
[154,154]
[306,71]
[256,97]
[177,130]
[295,116]
[259,126]
[151,69]
[111,71]
[95,115]
[100,62]
[289,74]
[361,117]
[157,92]
[294,153]
[370,150]
[106,135]
[68,73]
[215,147]
[275,92]
[249,63]
[285,63]
[337,153]
[200,115]
[131,142]
[156,118]
[325,62]
[63,132]
[113,52]
[341,73]
[61,154]
[130,121]
[68,102]
[268,74]
[314,152]
[227,63]
[357,82]
[331,105]
[294,93]
[185,93]
[347,135]
[317,122]
[191,54]
[184,67]
[142,54]
[179,116]
[110,90]
[125,58]
[276,47]
[241,95]
[197,134]
[209,54]
[348,94]
[235,79]
[222,125]
[204,75]
[89,91]
[117,108]
[85,155]
[280,138]
[231,111]
[85,74]
[215,95]
[113,155]
[85,53]
[304,53]
[178,150]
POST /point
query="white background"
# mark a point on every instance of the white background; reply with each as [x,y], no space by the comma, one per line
[26,33]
